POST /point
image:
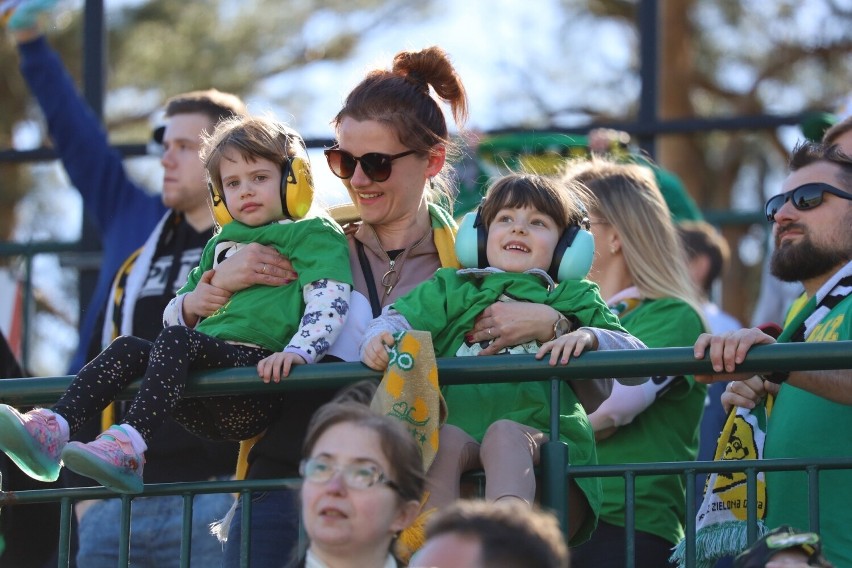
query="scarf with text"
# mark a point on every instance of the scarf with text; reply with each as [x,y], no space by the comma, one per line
[721,526]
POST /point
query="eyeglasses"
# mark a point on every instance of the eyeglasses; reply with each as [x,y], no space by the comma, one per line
[376,166]
[803,198]
[355,475]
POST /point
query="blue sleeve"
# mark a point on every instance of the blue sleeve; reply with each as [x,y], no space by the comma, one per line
[95,169]
[124,213]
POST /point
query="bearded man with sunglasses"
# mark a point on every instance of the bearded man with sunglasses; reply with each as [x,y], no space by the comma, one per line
[812,414]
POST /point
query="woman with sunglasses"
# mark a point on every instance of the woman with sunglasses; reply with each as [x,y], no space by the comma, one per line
[362,484]
[391,153]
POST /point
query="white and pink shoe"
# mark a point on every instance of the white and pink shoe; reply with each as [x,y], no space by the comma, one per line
[34,441]
[110,460]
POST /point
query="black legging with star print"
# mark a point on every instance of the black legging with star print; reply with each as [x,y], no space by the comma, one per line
[165,365]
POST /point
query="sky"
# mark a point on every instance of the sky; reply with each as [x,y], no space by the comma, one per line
[493,44]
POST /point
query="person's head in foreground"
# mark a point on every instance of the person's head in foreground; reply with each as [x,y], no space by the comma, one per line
[363,481]
[502,534]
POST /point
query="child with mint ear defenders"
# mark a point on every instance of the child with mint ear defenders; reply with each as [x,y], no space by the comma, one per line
[259,177]
[533,231]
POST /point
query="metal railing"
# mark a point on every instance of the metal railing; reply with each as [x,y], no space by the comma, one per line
[555,468]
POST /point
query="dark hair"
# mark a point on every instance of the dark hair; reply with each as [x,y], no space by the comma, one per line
[511,535]
[397,444]
[808,153]
[702,238]
[400,98]
[564,200]
[215,104]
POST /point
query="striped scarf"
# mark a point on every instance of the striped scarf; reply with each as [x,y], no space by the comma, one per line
[721,528]
[126,286]
[800,324]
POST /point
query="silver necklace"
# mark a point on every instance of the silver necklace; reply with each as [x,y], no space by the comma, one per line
[391,278]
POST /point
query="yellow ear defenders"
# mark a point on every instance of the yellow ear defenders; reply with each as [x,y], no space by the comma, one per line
[297,183]
[297,187]
[221,216]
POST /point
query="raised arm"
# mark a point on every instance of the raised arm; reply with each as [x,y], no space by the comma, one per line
[80,141]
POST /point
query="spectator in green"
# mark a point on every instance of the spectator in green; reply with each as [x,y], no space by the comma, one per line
[640,266]
[812,409]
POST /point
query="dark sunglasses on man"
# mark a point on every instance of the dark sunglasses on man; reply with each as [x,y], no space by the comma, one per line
[375,165]
[803,198]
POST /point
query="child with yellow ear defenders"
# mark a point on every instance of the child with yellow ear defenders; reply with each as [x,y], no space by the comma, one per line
[261,188]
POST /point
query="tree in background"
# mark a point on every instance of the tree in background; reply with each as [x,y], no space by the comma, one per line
[718,58]
[729,59]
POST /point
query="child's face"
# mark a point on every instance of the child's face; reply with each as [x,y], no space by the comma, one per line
[252,189]
[521,238]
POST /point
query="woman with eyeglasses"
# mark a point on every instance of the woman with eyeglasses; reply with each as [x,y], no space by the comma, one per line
[642,272]
[362,484]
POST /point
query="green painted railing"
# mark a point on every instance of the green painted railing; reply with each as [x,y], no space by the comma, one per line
[555,467]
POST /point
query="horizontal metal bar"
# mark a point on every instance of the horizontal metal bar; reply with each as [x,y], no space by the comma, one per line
[9,248]
[466,370]
[729,466]
[33,496]
[46,154]
[617,470]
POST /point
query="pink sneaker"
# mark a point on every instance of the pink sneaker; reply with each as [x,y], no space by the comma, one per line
[109,460]
[34,441]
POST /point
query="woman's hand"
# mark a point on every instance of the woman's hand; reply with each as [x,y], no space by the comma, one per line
[277,366]
[376,353]
[567,346]
[204,300]
[747,393]
[512,323]
[254,264]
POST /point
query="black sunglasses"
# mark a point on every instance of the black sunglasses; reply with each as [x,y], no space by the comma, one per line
[376,166]
[803,198]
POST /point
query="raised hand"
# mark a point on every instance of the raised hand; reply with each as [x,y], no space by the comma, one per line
[20,15]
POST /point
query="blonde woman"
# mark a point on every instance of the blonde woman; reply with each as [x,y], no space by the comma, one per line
[641,269]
